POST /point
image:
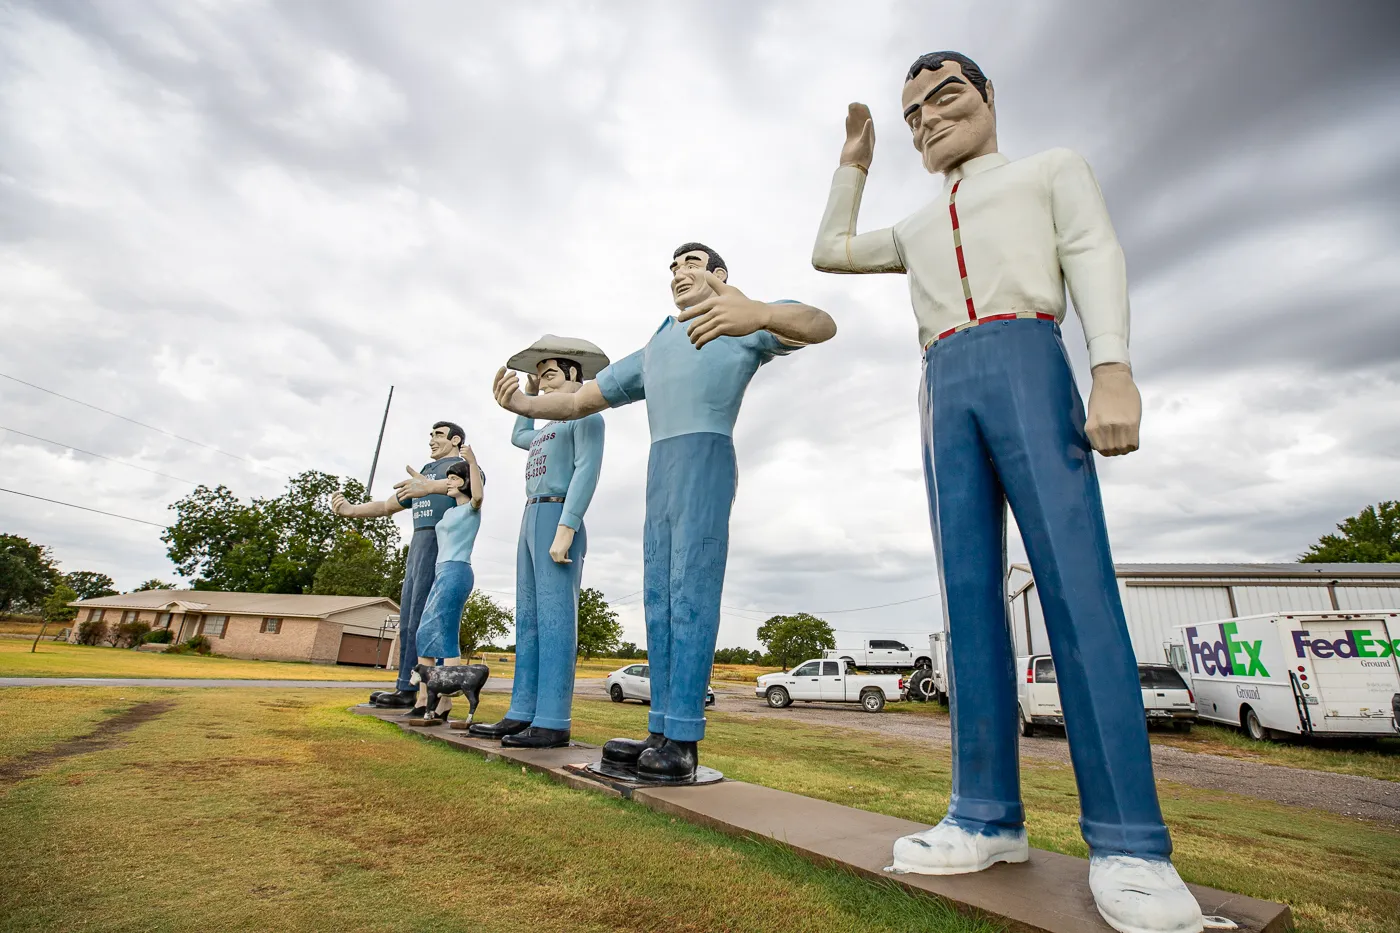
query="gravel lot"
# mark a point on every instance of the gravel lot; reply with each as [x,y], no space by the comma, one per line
[1362,797]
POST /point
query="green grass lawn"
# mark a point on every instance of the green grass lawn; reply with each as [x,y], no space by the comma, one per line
[57,659]
[247,809]
[279,810]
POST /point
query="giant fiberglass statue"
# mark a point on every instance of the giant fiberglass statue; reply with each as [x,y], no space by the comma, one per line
[692,374]
[561,474]
[988,259]
[428,493]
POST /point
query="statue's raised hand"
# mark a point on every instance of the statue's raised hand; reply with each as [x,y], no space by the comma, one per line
[860,137]
[728,312]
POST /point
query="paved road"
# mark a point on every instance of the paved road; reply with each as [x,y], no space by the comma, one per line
[1364,797]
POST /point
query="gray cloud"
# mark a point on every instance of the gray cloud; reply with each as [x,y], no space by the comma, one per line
[244,223]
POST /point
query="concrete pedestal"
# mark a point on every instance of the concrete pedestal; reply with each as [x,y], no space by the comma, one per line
[1049,893]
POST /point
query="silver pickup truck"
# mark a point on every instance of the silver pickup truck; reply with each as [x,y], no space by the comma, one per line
[829,681]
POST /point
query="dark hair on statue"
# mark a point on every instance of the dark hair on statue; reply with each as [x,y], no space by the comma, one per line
[464,471]
[933,60]
[453,430]
[565,363]
[716,261]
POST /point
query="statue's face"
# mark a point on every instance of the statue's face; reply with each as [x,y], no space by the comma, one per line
[948,118]
[455,484]
[553,378]
[440,444]
[688,284]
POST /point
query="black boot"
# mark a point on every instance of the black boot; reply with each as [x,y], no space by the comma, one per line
[537,737]
[397,699]
[672,763]
[379,693]
[418,712]
[497,730]
[623,753]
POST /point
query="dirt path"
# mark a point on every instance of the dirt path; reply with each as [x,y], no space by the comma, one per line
[1348,795]
[103,735]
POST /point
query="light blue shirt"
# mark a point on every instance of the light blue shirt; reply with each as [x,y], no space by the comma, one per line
[689,391]
[456,533]
[565,459]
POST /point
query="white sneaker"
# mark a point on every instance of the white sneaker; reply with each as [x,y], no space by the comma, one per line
[1136,895]
[948,849]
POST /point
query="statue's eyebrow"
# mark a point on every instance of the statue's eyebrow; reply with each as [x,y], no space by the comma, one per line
[909,111]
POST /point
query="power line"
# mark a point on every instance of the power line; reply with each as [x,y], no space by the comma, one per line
[72,505]
[99,456]
[149,427]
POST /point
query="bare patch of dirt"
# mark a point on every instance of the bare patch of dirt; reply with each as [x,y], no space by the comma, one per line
[105,734]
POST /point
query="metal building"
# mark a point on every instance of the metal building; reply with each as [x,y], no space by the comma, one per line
[1159,597]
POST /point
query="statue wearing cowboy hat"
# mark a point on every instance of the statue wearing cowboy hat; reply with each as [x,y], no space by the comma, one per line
[561,473]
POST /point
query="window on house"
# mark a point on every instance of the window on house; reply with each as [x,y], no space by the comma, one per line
[163,619]
[94,615]
[130,615]
[215,626]
[271,626]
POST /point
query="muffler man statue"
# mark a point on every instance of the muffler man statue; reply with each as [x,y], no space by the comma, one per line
[988,260]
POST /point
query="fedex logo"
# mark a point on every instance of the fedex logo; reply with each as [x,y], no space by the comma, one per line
[1358,643]
[1226,657]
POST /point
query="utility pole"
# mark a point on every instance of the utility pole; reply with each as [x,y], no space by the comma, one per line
[375,464]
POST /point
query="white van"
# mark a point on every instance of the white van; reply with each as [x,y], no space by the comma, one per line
[1299,673]
[1166,699]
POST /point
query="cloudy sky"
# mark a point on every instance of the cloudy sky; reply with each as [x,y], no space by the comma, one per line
[241,222]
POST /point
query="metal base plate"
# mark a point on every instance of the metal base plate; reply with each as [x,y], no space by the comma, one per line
[703,775]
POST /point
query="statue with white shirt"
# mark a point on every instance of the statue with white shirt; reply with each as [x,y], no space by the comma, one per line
[561,475]
[988,260]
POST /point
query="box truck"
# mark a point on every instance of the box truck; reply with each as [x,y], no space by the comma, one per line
[1321,674]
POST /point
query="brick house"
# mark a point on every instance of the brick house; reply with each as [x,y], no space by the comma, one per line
[263,626]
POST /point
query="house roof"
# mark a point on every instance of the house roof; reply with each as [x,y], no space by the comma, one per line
[257,604]
[1293,571]
[1322,573]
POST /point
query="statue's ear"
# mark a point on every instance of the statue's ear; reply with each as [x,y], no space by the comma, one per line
[722,274]
[991,97]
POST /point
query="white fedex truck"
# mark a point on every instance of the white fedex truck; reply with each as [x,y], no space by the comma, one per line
[1297,673]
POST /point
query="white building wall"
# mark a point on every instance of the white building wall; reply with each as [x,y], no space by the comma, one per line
[1253,600]
[1153,612]
[1368,597]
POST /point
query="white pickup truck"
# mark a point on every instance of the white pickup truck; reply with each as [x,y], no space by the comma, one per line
[881,654]
[829,681]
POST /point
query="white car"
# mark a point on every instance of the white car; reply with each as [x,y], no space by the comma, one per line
[1165,696]
[633,682]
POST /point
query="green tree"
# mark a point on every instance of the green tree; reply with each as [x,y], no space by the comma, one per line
[1370,537]
[794,638]
[56,608]
[267,545]
[598,628]
[90,585]
[27,573]
[354,567]
[483,620]
[153,584]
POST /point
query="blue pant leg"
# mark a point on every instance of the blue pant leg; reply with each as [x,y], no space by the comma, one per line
[1047,466]
[704,470]
[556,611]
[656,584]
[417,583]
[524,691]
[440,629]
[967,512]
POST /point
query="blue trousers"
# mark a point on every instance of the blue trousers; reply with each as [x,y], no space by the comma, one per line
[685,545]
[417,582]
[1003,422]
[440,630]
[546,620]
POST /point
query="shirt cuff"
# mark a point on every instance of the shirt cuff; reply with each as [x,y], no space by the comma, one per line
[612,390]
[571,520]
[1108,348]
